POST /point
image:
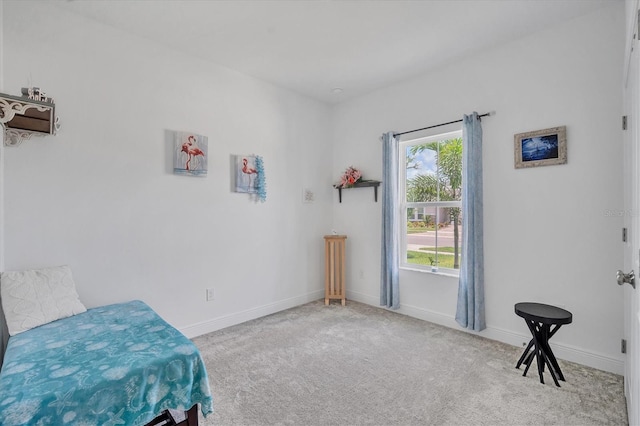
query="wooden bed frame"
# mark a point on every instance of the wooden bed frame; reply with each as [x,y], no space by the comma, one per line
[177,418]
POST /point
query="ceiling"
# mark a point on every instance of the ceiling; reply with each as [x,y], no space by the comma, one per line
[332,50]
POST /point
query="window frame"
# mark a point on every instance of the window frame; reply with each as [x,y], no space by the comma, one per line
[404,205]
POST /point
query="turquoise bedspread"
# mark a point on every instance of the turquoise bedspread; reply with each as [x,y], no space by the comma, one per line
[114,365]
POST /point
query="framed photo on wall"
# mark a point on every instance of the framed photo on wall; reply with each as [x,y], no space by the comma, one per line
[190,154]
[246,174]
[541,148]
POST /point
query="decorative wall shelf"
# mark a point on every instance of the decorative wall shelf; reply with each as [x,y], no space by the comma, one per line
[23,117]
[362,184]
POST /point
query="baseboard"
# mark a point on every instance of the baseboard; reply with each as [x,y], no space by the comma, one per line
[562,351]
[219,323]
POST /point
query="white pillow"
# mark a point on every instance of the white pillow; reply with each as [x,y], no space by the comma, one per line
[37,297]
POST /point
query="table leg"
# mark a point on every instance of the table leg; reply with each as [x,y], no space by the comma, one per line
[539,359]
[553,374]
[529,362]
[542,351]
[534,352]
[551,359]
[546,350]
[524,355]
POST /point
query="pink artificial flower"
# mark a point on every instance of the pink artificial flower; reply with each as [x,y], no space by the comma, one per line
[349,177]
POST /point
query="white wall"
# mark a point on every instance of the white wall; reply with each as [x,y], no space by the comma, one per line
[548,237]
[101,196]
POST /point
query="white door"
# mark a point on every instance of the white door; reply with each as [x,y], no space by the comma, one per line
[631,178]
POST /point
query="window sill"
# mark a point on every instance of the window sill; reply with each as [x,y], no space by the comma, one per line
[424,271]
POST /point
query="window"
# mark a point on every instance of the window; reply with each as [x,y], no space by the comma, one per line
[431,193]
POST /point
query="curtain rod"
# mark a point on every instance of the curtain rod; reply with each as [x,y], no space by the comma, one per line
[442,124]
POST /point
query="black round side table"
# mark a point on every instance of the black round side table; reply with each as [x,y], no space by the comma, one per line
[540,319]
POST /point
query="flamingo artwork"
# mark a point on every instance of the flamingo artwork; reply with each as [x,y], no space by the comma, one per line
[250,176]
[191,155]
[246,174]
[245,168]
[191,150]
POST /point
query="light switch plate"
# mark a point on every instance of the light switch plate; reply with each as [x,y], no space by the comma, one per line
[308,196]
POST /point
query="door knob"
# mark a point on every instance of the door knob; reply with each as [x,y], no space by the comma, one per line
[626,278]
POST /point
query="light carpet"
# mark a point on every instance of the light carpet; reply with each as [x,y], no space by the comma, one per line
[363,365]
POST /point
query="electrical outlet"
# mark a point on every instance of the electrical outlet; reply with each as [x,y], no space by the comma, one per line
[210,294]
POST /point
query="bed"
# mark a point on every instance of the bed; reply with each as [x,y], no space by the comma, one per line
[119,364]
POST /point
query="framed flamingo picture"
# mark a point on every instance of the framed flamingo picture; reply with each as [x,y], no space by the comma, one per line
[249,176]
[190,154]
[246,174]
